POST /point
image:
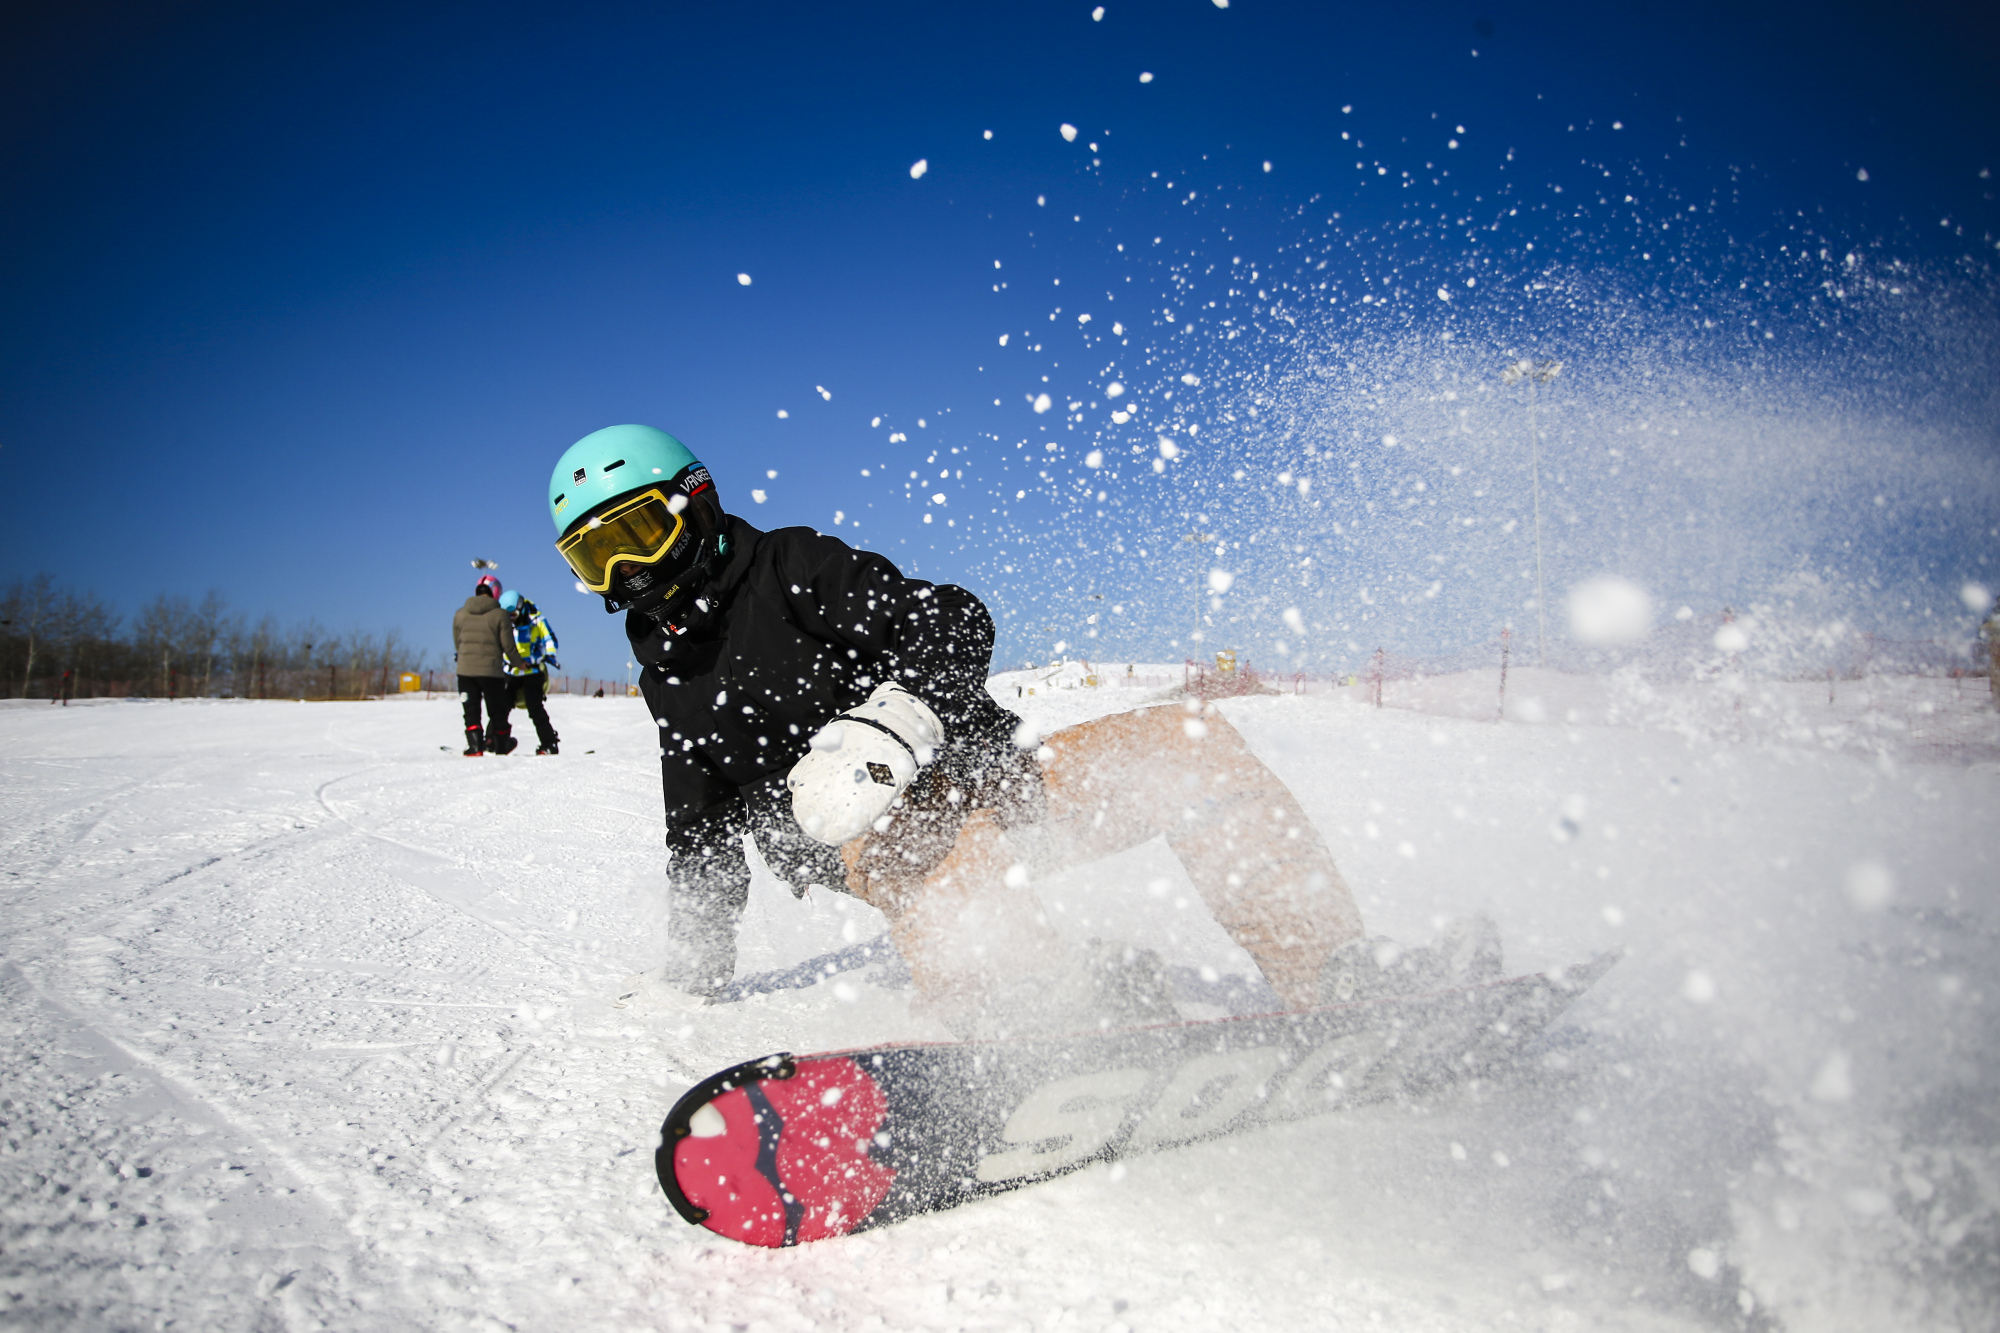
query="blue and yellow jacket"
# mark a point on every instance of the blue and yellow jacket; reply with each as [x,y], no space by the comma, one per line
[536,641]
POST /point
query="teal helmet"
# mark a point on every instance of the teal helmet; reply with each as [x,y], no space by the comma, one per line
[610,463]
[637,518]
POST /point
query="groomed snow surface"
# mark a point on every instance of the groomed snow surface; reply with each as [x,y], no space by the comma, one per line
[309,1024]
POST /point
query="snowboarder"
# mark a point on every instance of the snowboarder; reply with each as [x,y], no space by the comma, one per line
[483,647]
[530,681]
[812,696]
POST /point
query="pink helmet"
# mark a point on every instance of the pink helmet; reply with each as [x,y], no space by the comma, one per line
[490,584]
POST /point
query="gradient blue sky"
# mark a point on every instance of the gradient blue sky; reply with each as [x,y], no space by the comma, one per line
[301,304]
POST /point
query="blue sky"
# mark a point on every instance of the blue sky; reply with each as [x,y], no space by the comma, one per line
[302,305]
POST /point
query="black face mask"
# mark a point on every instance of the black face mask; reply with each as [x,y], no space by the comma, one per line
[673,601]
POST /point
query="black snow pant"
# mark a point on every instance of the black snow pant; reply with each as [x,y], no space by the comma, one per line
[497,692]
[534,689]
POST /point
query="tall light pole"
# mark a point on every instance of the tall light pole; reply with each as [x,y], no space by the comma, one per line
[1197,540]
[1536,372]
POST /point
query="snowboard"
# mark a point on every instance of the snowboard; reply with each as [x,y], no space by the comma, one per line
[788,1149]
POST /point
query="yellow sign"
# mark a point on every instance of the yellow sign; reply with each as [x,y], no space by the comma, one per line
[409,682]
[1225,662]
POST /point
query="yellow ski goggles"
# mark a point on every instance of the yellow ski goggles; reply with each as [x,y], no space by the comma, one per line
[643,530]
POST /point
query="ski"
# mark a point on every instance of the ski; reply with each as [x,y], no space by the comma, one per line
[789,1149]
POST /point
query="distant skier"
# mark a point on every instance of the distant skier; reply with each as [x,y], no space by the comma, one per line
[811,695]
[483,647]
[537,645]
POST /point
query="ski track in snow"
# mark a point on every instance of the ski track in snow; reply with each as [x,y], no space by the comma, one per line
[309,1026]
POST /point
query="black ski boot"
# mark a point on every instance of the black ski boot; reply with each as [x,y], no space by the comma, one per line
[547,747]
[500,740]
[475,745]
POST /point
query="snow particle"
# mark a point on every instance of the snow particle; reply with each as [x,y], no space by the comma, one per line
[783,414]
[1097,14]
[1042,403]
[1704,1264]
[1835,1080]
[1609,610]
[743,279]
[1195,728]
[1190,379]
[989,134]
[1017,876]
[1867,1203]
[1698,987]
[1267,168]
[1220,581]
[758,496]
[1003,340]
[1862,174]
[1731,638]
[1068,132]
[1114,390]
[1094,459]
[1458,1152]
[1145,76]
[1870,885]
[1977,598]
[919,167]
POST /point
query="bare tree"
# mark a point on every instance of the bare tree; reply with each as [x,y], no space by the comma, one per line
[204,633]
[28,606]
[160,626]
[177,647]
[89,629]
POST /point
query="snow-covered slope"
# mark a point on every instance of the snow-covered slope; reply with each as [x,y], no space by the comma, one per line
[308,1024]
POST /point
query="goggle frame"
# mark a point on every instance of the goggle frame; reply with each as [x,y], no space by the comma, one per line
[565,545]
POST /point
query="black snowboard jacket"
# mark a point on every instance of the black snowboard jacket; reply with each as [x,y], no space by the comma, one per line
[805,627]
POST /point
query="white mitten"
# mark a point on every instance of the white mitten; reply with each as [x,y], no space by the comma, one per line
[860,762]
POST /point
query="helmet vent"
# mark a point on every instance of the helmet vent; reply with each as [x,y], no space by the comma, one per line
[612,467]
[558,500]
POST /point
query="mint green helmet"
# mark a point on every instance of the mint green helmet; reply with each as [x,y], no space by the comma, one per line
[608,463]
[638,521]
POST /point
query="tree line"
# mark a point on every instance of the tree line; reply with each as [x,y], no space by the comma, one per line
[58,642]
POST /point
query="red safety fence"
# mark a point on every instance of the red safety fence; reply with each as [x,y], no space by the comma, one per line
[1718,676]
[589,687]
